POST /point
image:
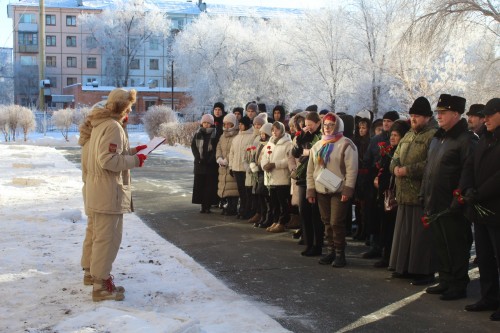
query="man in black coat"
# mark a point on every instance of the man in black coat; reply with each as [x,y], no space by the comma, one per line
[484,169]
[450,148]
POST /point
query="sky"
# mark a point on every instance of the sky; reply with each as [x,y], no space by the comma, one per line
[41,282]
[6,23]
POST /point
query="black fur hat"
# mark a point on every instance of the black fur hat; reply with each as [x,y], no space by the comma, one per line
[451,103]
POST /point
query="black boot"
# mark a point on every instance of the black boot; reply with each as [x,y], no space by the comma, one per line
[339,259]
[328,259]
[312,251]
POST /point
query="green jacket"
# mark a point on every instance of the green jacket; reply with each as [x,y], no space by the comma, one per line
[412,154]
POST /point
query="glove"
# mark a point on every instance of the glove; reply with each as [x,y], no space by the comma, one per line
[139,148]
[219,160]
[231,173]
[269,167]
[254,167]
[470,196]
[142,158]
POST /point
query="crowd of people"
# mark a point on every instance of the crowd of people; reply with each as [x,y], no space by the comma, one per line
[416,184]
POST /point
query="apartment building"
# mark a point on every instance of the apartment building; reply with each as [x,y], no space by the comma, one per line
[72,56]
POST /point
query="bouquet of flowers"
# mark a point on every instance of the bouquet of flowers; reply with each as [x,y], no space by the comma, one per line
[250,154]
[428,219]
[268,174]
[482,211]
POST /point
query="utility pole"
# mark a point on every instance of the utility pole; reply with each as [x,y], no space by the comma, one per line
[41,54]
[172,85]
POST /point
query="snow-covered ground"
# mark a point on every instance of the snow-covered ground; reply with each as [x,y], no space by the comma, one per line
[41,283]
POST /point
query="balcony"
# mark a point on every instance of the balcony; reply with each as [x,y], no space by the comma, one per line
[28,48]
[27,27]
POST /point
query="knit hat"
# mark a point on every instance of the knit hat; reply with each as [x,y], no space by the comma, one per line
[364,114]
[253,106]
[422,107]
[267,128]
[324,112]
[492,107]
[207,118]
[400,126]
[231,118]
[476,110]
[262,107]
[260,119]
[313,108]
[238,109]
[451,103]
[246,122]
[219,105]
[391,115]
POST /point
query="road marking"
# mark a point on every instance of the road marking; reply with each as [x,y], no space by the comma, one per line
[391,308]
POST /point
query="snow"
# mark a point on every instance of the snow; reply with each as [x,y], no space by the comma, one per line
[41,282]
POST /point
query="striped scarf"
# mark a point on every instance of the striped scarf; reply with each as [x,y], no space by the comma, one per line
[326,149]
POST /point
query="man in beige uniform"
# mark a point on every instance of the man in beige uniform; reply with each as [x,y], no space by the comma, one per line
[107,187]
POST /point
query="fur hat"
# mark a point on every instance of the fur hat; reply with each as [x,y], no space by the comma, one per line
[267,128]
[246,122]
[400,126]
[119,100]
[391,115]
[313,108]
[451,103]
[422,107]
[476,110]
[492,107]
[230,118]
[238,109]
[261,119]
[207,118]
[219,105]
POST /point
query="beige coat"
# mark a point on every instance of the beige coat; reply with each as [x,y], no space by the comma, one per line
[238,150]
[280,152]
[109,161]
[227,184]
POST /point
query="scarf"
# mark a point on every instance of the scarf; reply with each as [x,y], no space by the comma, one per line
[326,149]
[200,140]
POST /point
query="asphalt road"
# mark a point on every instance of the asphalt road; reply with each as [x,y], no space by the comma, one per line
[267,269]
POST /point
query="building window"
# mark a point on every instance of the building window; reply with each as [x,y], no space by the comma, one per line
[27,18]
[91,62]
[50,40]
[90,42]
[135,64]
[148,104]
[71,62]
[153,64]
[28,60]
[50,20]
[154,44]
[28,38]
[70,81]
[71,41]
[51,61]
[53,81]
[71,21]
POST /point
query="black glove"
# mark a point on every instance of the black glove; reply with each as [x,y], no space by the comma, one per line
[231,173]
[470,196]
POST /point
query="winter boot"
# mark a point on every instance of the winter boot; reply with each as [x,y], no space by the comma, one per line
[339,259]
[278,228]
[87,278]
[106,290]
[328,259]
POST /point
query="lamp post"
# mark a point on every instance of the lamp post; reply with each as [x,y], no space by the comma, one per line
[172,101]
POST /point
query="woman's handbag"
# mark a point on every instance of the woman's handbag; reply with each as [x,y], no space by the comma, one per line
[390,202]
[329,180]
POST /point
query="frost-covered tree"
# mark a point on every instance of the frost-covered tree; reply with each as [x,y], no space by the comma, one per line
[321,56]
[121,32]
[4,122]
[63,119]
[155,117]
[27,120]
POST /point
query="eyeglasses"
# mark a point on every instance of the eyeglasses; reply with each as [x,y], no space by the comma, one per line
[329,125]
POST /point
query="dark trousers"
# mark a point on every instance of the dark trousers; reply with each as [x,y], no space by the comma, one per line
[240,183]
[280,203]
[451,234]
[264,208]
[313,228]
[251,206]
[387,223]
[488,259]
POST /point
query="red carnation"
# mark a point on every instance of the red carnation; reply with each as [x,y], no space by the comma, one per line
[425,221]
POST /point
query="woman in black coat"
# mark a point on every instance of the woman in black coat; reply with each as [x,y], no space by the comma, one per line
[204,146]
